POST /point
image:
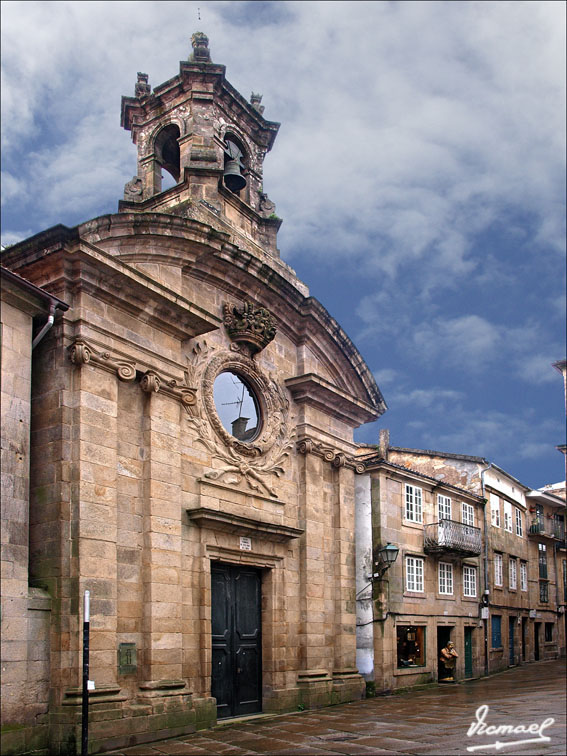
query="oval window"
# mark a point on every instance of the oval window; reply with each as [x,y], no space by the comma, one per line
[236,406]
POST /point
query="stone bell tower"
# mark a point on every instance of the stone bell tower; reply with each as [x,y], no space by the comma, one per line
[198,129]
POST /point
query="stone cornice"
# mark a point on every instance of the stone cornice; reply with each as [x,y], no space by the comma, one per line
[225,264]
[314,312]
[333,456]
[245,526]
[27,296]
[320,393]
[106,276]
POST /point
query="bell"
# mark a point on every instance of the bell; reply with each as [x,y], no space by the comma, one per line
[233,179]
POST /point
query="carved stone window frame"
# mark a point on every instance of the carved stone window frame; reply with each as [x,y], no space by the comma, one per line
[256,461]
[270,418]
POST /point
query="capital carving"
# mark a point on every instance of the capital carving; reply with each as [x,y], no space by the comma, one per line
[336,458]
[81,353]
[150,383]
[251,328]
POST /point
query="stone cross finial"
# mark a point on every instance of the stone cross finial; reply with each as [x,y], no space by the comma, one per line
[142,88]
[201,52]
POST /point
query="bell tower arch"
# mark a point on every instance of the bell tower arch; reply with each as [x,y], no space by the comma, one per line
[210,140]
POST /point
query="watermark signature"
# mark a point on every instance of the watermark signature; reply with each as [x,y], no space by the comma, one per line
[479,727]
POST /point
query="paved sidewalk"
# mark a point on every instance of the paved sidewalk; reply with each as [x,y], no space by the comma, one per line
[430,722]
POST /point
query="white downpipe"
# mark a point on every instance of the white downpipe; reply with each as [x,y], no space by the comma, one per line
[364,613]
[46,327]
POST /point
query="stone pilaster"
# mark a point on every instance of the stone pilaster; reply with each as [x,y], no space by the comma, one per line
[347,683]
[162,620]
[94,505]
[314,680]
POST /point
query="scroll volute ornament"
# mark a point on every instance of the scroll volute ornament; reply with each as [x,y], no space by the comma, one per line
[250,328]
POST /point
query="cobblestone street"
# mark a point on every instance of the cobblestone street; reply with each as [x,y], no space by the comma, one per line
[431,721]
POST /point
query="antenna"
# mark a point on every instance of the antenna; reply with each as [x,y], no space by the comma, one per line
[239,402]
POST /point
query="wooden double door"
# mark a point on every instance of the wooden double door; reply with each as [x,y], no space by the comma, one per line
[236,639]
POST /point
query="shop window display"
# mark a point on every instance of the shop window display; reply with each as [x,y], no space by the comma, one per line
[411,646]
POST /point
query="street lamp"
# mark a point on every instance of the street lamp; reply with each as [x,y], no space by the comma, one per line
[386,557]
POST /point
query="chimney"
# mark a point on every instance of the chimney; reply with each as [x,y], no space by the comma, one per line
[239,427]
[384,443]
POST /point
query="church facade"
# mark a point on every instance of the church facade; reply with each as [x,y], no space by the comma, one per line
[191,454]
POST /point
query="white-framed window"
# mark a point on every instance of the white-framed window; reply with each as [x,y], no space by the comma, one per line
[498,569]
[508,516]
[519,523]
[468,514]
[524,576]
[414,574]
[513,573]
[446,578]
[414,507]
[495,510]
[469,581]
[443,507]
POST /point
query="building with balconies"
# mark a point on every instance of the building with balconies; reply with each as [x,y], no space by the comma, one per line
[547,571]
[516,620]
[409,607]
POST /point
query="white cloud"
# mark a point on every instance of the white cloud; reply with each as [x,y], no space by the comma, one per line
[469,341]
[537,369]
[9,237]
[436,399]
[499,436]
[385,376]
[396,144]
[12,187]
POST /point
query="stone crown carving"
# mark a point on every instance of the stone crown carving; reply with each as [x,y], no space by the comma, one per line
[250,327]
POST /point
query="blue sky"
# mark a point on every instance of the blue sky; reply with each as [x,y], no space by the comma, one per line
[419,170]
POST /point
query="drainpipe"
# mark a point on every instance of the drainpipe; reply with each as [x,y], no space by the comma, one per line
[47,325]
[486,593]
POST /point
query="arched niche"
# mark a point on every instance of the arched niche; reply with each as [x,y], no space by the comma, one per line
[166,151]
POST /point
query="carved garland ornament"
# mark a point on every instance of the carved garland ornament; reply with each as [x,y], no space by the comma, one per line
[252,461]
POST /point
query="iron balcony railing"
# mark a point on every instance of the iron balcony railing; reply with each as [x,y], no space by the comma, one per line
[537,527]
[551,528]
[558,530]
[448,535]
